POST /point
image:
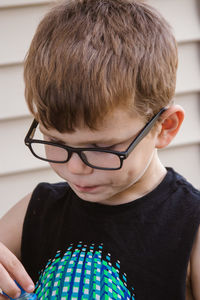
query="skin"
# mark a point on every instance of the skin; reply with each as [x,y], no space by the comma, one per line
[141,173]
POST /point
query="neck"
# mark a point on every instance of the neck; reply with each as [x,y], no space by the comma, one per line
[146,182]
[150,178]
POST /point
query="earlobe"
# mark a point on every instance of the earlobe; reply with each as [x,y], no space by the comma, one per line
[172,119]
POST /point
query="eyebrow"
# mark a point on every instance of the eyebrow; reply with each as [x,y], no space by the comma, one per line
[112,141]
[109,142]
[90,142]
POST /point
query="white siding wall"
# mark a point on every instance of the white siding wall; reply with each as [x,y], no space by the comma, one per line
[19,171]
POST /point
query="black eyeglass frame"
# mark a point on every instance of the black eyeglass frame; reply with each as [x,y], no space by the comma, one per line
[121,154]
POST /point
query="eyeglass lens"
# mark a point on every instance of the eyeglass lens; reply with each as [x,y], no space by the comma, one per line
[58,154]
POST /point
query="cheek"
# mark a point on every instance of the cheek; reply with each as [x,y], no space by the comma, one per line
[121,177]
[59,169]
[139,158]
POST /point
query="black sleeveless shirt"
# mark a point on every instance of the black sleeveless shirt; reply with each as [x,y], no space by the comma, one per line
[74,249]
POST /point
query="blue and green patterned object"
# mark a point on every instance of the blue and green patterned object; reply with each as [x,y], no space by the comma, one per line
[81,273]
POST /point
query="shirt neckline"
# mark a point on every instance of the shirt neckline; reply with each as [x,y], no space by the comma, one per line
[161,191]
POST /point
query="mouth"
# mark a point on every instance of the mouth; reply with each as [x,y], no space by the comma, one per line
[86,188]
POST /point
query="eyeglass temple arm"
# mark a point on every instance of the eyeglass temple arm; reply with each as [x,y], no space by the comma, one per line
[31,131]
[145,130]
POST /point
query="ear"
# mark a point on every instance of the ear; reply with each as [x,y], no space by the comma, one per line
[170,124]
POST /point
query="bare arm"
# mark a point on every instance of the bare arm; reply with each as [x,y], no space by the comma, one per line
[11,225]
[195,267]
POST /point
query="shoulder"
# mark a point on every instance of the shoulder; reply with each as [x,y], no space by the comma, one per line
[195,267]
[11,225]
[47,200]
[54,189]
[189,199]
[183,189]
[47,193]
[184,202]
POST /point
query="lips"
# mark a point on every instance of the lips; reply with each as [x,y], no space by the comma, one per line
[86,188]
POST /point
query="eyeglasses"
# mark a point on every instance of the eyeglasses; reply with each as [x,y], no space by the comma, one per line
[97,158]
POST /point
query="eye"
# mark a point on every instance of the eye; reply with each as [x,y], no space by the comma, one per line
[51,139]
[47,138]
[101,146]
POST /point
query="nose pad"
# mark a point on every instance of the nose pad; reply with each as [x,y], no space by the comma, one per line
[83,157]
[76,165]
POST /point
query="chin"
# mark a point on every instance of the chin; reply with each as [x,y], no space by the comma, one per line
[90,198]
[93,198]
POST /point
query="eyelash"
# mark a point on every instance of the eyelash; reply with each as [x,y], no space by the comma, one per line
[93,145]
[106,147]
[52,140]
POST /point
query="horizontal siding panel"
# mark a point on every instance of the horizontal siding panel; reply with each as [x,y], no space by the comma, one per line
[168,8]
[8,3]
[13,21]
[22,184]
[185,160]
[188,75]
[12,100]
[19,25]
[12,133]
[183,15]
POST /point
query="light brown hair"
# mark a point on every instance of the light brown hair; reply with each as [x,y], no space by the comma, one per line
[89,56]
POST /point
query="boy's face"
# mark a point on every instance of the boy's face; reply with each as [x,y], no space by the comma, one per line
[140,172]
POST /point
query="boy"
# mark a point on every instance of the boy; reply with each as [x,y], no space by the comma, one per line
[100,77]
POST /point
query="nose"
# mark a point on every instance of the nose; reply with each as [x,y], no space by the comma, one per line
[76,166]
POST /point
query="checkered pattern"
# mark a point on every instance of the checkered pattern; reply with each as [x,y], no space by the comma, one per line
[82,274]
